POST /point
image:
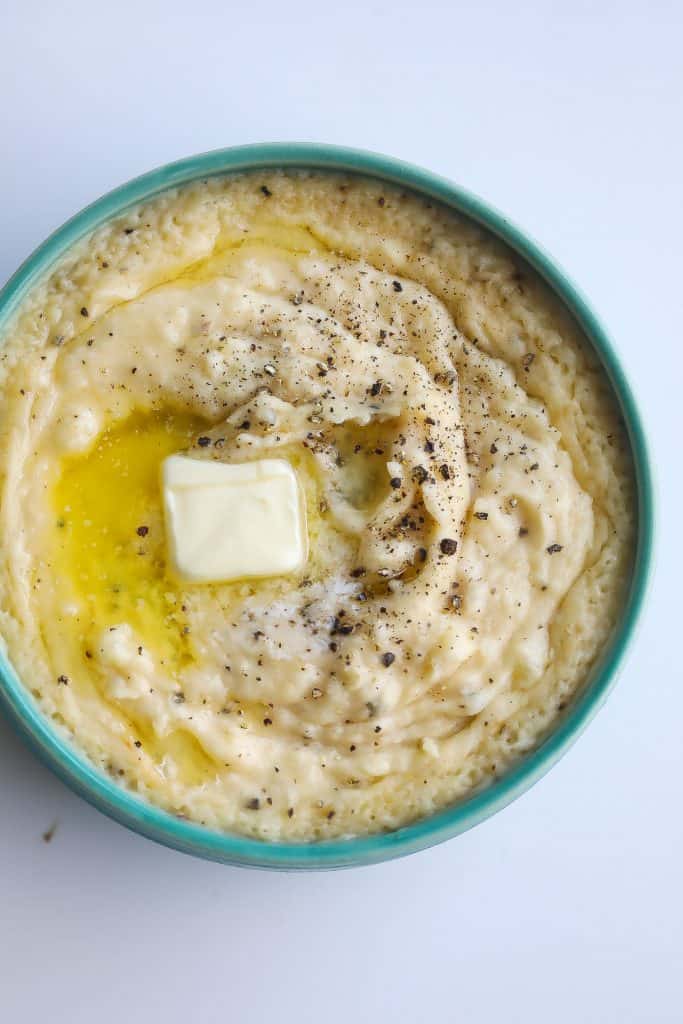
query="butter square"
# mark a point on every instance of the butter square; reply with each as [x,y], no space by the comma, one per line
[232,521]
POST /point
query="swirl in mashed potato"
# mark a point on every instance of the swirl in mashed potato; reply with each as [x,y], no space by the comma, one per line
[467,480]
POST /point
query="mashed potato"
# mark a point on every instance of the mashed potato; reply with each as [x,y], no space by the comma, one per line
[468,492]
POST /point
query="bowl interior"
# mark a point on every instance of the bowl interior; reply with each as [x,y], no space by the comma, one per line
[157,824]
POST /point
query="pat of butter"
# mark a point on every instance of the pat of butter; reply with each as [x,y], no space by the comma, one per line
[227,522]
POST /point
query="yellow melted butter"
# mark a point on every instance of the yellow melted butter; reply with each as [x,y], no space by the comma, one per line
[105,500]
[263,239]
[109,534]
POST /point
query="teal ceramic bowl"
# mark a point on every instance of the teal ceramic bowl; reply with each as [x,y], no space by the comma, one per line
[183,835]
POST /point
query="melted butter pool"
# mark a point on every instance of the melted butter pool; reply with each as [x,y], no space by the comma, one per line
[109,542]
[109,528]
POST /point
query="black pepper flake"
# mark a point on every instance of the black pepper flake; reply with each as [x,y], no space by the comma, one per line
[429,446]
[142,531]
[481,515]
[395,482]
[267,721]
[84,311]
[138,744]
[528,360]
[523,531]
[245,425]
[290,812]
[448,546]
[552,549]
[419,474]
[341,628]
[421,554]
[64,680]
[533,466]
[494,448]
[445,471]
[254,804]
[397,286]
[381,201]
[179,697]
[203,442]
[376,388]
[266,191]
[388,659]
[358,572]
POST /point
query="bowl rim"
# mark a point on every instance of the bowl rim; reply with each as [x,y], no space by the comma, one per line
[134,812]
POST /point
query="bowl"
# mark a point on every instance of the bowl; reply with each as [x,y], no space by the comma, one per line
[138,815]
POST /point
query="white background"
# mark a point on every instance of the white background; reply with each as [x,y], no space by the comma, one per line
[567,906]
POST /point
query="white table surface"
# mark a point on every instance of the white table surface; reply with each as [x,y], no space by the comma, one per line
[568,905]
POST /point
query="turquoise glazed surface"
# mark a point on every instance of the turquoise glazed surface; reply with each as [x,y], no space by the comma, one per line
[150,821]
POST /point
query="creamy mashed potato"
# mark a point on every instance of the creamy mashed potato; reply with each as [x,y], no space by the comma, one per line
[468,493]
